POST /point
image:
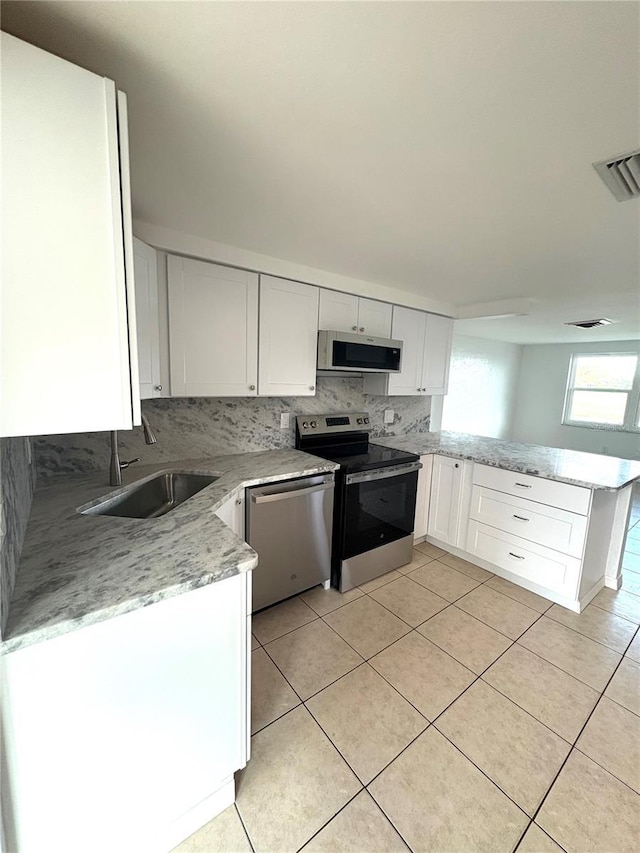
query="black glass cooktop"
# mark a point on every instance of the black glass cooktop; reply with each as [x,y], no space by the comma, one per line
[375,456]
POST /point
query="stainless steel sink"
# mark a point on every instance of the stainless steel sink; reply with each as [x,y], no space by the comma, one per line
[153,498]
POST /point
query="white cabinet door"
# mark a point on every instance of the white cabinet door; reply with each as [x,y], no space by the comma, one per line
[213,329]
[374,318]
[422,497]
[338,311]
[437,354]
[288,338]
[444,504]
[147,322]
[67,343]
[149,720]
[409,327]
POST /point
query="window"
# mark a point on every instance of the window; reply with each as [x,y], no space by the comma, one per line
[603,390]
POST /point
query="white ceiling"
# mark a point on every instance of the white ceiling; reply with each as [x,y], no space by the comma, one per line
[439,148]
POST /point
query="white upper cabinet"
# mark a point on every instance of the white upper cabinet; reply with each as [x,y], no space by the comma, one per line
[343,312]
[437,354]
[288,337]
[68,357]
[426,351]
[145,265]
[213,329]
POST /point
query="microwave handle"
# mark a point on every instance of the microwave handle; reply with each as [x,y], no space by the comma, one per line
[382,473]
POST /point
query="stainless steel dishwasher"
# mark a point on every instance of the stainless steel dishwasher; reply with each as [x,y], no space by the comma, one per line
[289,524]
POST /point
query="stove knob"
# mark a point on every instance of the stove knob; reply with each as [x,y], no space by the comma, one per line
[305,425]
[314,424]
[359,420]
[366,420]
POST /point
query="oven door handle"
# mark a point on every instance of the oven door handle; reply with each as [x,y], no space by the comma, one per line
[382,473]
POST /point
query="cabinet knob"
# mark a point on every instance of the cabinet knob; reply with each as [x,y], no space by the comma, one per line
[362,328]
[312,387]
[354,328]
[456,465]
[238,501]
[252,387]
[157,387]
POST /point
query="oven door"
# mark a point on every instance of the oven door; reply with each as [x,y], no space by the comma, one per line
[379,507]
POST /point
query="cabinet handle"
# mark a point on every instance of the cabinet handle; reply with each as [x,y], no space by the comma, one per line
[354,328]
[312,387]
[520,517]
[523,485]
[157,387]
[517,556]
[252,387]
[362,328]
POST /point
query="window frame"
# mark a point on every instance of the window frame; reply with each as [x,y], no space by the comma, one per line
[632,408]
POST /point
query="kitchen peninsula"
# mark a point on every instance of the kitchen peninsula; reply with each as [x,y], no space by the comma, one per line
[549,519]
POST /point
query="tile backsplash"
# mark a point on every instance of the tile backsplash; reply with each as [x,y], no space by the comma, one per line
[17,482]
[204,426]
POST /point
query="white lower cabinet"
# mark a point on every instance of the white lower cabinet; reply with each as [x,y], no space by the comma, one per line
[288,338]
[232,513]
[559,540]
[422,498]
[526,560]
[134,725]
[445,499]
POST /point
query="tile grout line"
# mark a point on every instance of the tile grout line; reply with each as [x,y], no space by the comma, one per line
[574,747]
[248,837]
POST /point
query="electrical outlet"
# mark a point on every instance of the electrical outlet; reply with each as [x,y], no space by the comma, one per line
[389,416]
[285,420]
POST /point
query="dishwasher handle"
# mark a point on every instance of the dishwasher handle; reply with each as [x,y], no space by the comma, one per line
[292,493]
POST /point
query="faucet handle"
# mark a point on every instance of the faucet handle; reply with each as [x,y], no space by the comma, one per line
[128,462]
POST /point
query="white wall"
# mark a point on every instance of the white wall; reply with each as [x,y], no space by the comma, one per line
[482,386]
[540,400]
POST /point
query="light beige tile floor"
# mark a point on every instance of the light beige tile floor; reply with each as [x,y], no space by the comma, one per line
[476,697]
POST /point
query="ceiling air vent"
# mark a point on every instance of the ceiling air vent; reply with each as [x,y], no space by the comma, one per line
[622,175]
[590,324]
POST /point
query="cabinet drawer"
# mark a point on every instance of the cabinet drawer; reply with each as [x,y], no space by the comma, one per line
[535,563]
[561,495]
[554,528]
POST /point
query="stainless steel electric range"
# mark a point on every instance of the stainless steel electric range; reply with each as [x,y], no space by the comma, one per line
[375,497]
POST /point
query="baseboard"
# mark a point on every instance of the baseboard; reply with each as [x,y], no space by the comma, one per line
[193,820]
[614,582]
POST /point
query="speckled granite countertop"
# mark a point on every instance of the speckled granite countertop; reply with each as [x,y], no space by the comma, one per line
[77,570]
[565,466]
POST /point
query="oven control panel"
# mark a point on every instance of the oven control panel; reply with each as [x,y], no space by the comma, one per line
[317,424]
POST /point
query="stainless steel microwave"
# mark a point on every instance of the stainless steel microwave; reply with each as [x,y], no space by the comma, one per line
[361,353]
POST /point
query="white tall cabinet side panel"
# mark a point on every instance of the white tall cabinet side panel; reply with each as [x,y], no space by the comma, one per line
[422,497]
[409,327]
[445,499]
[374,318]
[147,320]
[65,354]
[437,354]
[213,329]
[338,311]
[147,719]
[288,337]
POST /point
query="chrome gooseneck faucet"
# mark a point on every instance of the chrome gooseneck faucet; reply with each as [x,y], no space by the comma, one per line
[116,466]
